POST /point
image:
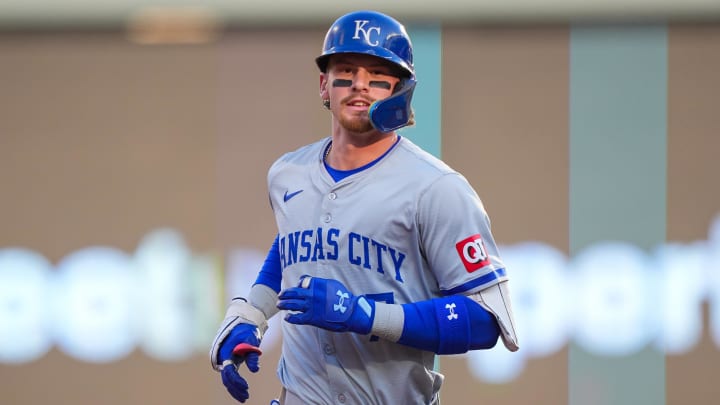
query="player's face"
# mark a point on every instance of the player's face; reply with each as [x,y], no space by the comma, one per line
[352,83]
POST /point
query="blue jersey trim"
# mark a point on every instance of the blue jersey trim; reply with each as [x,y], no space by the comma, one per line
[338,175]
[476,282]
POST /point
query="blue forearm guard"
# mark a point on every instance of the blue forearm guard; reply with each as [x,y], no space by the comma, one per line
[449,325]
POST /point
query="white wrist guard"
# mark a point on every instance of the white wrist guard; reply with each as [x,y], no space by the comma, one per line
[239,312]
[388,322]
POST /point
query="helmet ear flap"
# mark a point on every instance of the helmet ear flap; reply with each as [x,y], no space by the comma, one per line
[394,112]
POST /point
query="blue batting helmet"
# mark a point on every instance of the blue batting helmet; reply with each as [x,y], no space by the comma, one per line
[370,33]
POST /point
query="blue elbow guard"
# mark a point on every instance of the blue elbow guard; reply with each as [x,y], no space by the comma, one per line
[449,325]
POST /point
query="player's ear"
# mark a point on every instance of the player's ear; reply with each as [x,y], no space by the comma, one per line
[324,86]
[324,94]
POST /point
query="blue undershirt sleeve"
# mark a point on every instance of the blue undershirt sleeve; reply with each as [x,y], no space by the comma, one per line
[448,325]
[271,271]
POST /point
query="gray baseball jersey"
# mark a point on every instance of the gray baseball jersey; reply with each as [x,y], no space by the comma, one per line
[406,229]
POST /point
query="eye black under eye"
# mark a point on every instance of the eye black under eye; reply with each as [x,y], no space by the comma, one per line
[381,84]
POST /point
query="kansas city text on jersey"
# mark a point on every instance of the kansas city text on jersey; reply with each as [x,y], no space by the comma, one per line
[312,245]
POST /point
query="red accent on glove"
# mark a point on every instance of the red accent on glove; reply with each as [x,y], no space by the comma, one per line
[244,348]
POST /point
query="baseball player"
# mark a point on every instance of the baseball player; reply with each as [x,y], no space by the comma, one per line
[384,256]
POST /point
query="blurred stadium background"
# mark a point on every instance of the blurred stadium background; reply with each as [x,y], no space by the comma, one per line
[135,137]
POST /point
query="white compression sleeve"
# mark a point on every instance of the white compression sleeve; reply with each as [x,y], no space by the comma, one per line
[264,298]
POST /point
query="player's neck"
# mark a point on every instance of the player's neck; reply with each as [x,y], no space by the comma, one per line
[351,152]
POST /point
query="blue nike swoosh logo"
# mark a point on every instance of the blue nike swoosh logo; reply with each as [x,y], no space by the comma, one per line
[287,196]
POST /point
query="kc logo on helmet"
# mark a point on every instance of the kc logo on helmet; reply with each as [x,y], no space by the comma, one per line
[365,32]
[472,253]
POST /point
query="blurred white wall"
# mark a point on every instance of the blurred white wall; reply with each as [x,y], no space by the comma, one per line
[76,13]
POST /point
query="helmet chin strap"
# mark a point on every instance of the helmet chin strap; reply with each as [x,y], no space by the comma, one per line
[395,111]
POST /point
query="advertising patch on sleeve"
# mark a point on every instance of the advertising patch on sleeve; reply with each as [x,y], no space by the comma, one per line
[472,253]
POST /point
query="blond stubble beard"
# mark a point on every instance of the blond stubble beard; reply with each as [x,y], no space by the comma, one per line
[356,124]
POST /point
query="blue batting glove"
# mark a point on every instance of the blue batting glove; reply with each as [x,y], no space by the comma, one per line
[240,346]
[327,304]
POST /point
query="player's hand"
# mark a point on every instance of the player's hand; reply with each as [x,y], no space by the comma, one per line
[240,346]
[327,304]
